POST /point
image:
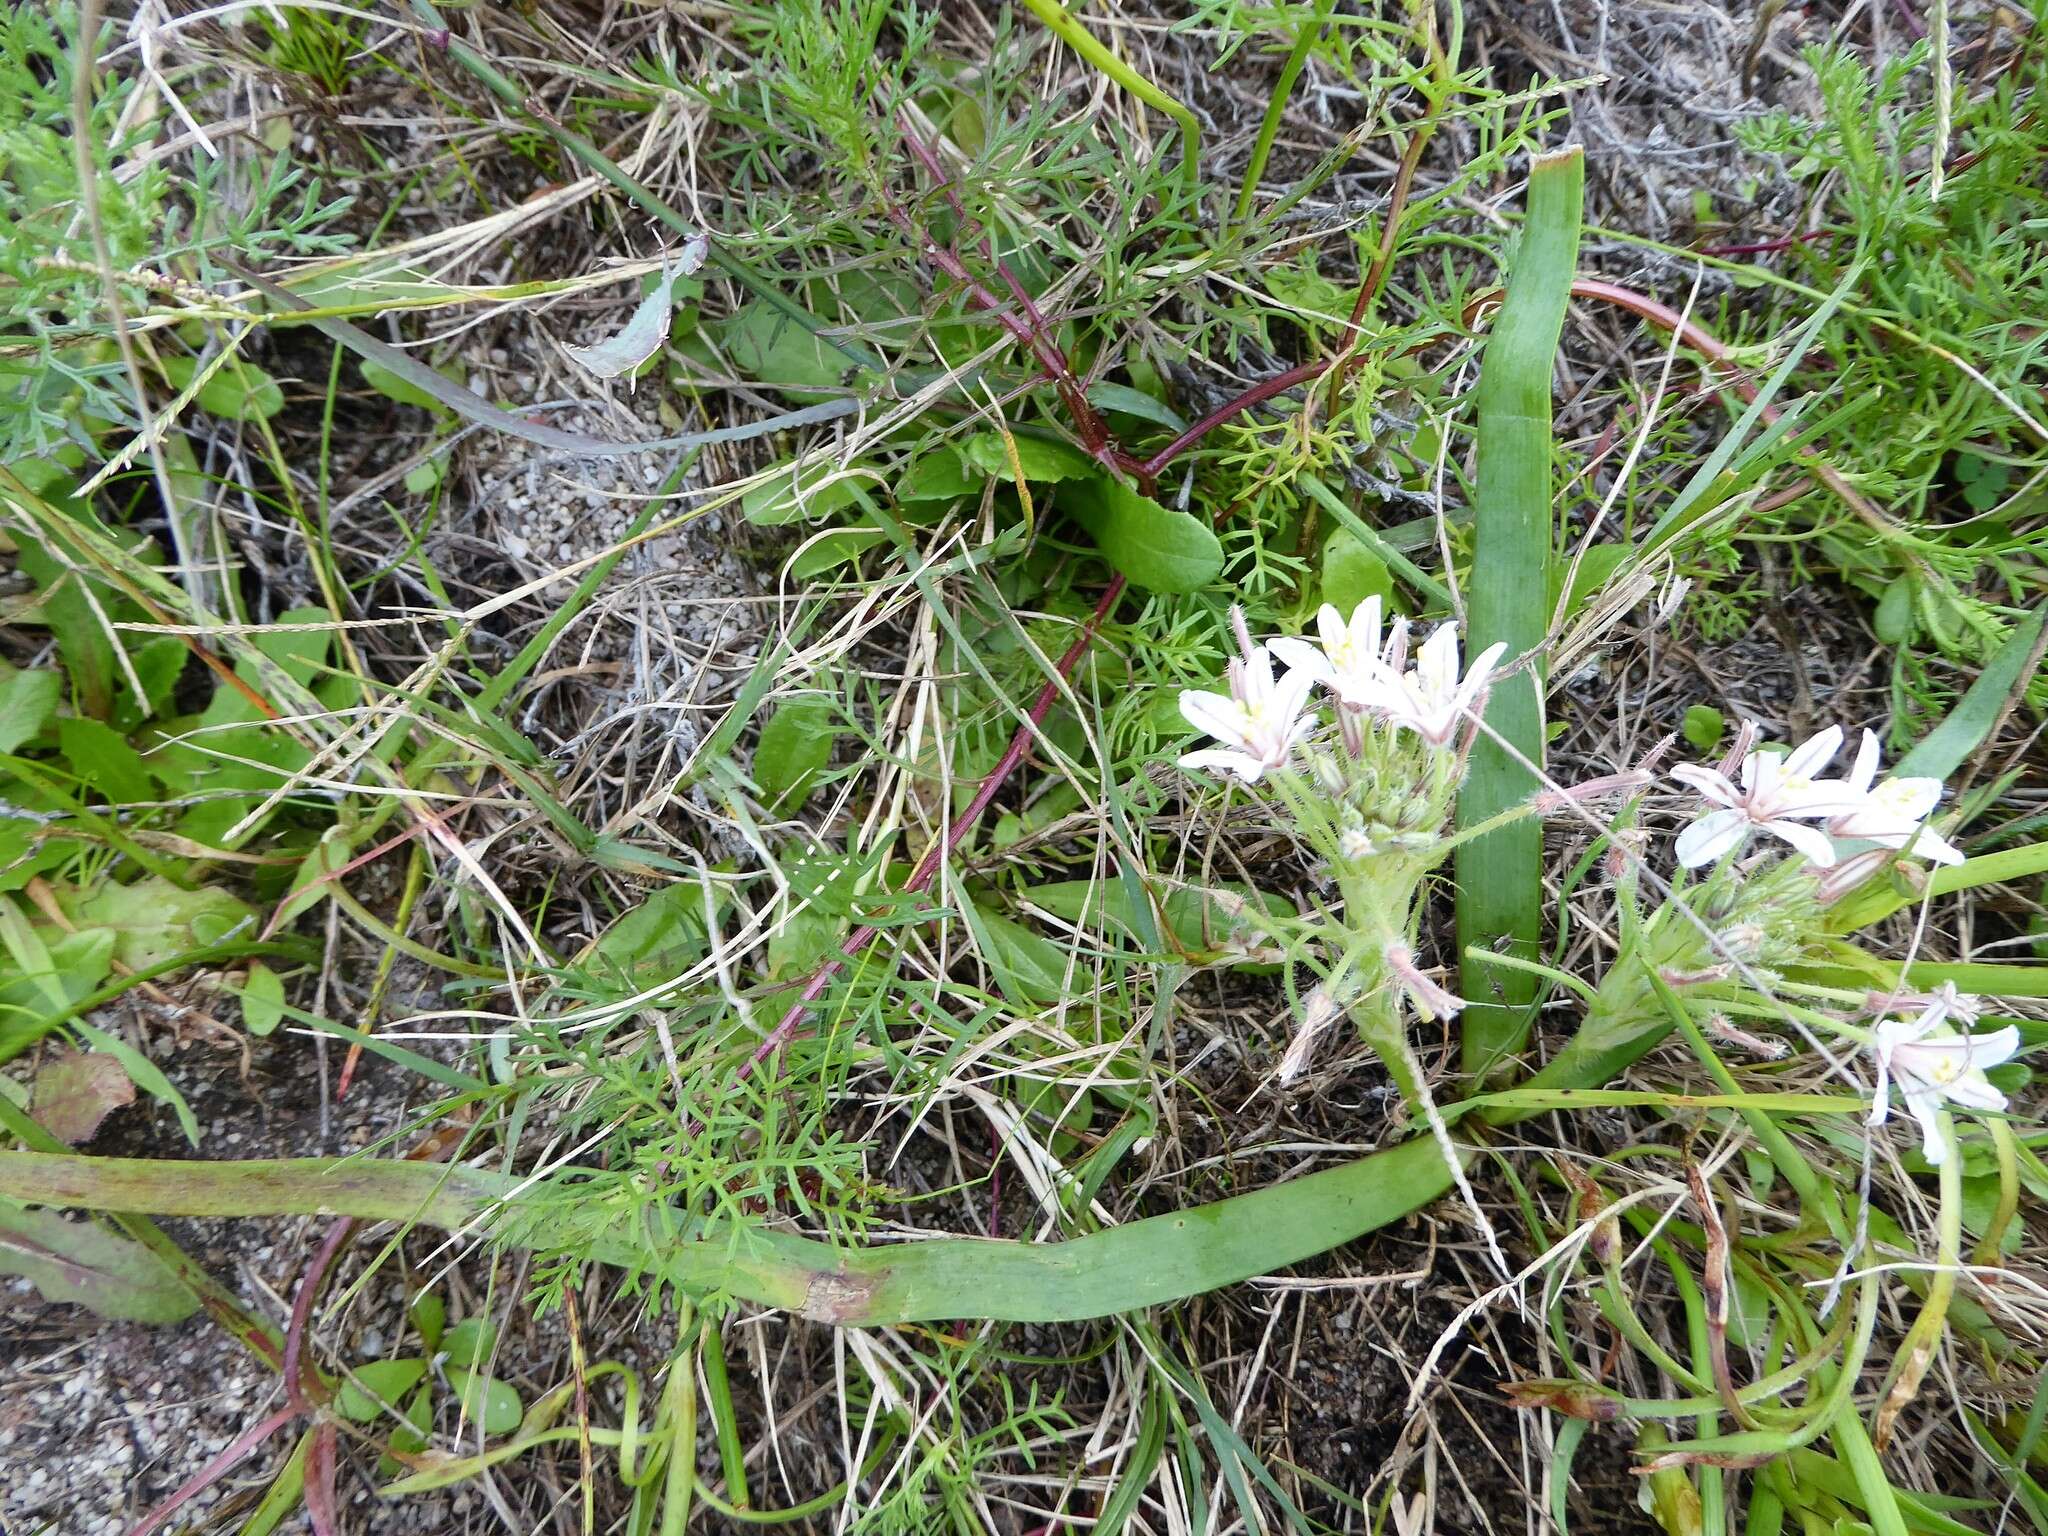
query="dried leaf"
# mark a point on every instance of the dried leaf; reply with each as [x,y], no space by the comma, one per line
[648,327]
[76,1091]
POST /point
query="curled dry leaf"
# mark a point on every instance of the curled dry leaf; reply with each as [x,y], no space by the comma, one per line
[75,1092]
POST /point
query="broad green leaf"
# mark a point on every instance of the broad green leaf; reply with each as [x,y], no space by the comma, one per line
[102,758]
[1040,460]
[1135,402]
[772,348]
[487,1401]
[795,746]
[374,1383]
[816,491]
[157,665]
[1596,567]
[1893,620]
[429,1314]
[833,548]
[27,701]
[80,630]
[1155,547]
[1029,967]
[302,649]
[1200,921]
[1352,573]
[470,1342]
[83,1263]
[312,883]
[153,921]
[262,999]
[238,390]
[664,934]
[35,987]
[1702,728]
[936,476]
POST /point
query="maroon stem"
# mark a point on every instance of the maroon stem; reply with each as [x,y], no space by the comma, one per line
[302,1307]
[1766,247]
[242,1448]
[319,1482]
[1279,384]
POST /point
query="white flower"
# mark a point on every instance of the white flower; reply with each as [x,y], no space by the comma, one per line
[1352,660]
[1892,814]
[1774,790]
[1430,698]
[1260,719]
[1935,1066]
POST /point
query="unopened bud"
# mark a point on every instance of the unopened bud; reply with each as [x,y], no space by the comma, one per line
[1719,1026]
[1354,845]
[1573,1399]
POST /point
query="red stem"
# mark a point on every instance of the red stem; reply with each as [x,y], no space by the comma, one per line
[240,1450]
[302,1308]
[1279,384]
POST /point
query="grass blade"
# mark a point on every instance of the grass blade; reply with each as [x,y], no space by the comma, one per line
[1500,875]
[1980,711]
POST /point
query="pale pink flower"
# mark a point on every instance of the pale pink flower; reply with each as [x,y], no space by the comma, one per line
[1259,720]
[1351,661]
[1892,814]
[1936,1067]
[1431,698]
[1776,793]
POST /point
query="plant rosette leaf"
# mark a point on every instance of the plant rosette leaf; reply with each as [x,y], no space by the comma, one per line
[1154,547]
[153,921]
[82,1263]
[795,746]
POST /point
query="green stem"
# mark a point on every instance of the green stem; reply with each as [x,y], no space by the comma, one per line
[1141,1264]
[1916,1351]
[1276,107]
[1062,24]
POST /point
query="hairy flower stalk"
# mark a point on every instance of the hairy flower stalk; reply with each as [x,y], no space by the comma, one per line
[1374,804]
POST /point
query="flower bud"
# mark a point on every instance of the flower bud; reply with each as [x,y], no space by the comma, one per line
[1573,1399]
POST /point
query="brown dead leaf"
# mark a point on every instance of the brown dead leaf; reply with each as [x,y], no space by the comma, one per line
[76,1091]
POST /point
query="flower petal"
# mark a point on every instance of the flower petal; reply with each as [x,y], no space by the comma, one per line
[1814,844]
[1218,714]
[1926,1108]
[1814,753]
[1712,838]
[1241,765]
[1863,772]
[1299,655]
[1710,784]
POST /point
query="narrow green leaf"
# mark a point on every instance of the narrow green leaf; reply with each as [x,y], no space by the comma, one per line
[145,1074]
[1500,875]
[1948,746]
